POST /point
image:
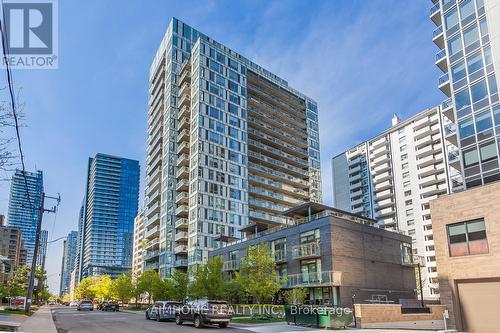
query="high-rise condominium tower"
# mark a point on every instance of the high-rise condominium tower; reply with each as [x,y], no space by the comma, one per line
[110,208]
[468,36]
[25,196]
[230,146]
[68,261]
[393,177]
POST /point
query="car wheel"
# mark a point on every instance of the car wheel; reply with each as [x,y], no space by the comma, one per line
[222,325]
[158,319]
[178,320]
[197,322]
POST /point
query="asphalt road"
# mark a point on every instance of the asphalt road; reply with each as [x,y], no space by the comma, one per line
[69,320]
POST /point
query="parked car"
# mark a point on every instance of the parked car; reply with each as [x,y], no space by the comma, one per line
[109,306]
[202,312]
[162,310]
[73,303]
[85,305]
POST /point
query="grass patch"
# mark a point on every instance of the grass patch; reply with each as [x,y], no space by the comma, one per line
[12,313]
[256,320]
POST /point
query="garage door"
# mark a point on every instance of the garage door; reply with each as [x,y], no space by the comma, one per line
[478,300]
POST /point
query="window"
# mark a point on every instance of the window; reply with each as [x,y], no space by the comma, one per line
[496,115]
[466,128]
[462,99]
[458,71]
[409,212]
[451,19]
[470,157]
[407,193]
[483,27]
[408,202]
[455,45]
[488,60]
[483,121]
[471,35]
[404,157]
[478,91]
[488,151]
[467,238]
[466,9]
[492,82]
[474,62]
[406,253]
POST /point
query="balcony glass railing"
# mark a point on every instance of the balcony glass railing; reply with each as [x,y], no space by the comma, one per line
[306,250]
[314,278]
[440,54]
[231,265]
[434,9]
[443,79]
[437,31]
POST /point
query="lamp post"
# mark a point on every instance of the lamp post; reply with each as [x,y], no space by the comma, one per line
[419,262]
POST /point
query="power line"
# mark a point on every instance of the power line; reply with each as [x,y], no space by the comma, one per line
[5,49]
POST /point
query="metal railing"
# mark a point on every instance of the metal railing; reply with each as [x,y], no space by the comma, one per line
[332,278]
[306,250]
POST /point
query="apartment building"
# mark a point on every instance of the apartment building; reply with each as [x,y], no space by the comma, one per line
[335,255]
[42,248]
[468,38]
[138,255]
[230,146]
[12,251]
[392,178]
[25,195]
[467,234]
[111,202]
[68,261]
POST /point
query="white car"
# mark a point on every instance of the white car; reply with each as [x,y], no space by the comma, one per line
[73,303]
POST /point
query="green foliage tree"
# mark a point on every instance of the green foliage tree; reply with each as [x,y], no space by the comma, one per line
[296,296]
[102,285]
[209,281]
[17,285]
[85,289]
[257,276]
[180,282]
[162,289]
[148,282]
[122,288]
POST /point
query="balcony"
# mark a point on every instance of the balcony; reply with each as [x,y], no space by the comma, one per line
[183,148]
[181,198]
[431,179]
[231,265]
[153,209]
[432,190]
[151,266]
[185,101]
[185,77]
[454,157]
[151,233]
[182,173]
[179,263]
[183,160]
[183,124]
[444,84]
[441,60]
[383,185]
[325,278]
[383,194]
[185,89]
[180,249]
[151,255]
[184,113]
[381,167]
[385,212]
[356,193]
[280,256]
[182,185]
[425,131]
[435,14]
[448,110]
[382,177]
[438,37]
[181,236]
[181,224]
[379,142]
[182,211]
[183,136]
[355,177]
[308,250]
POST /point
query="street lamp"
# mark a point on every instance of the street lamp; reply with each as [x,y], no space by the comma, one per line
[419,263]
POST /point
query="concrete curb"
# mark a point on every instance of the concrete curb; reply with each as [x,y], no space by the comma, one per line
[40,322]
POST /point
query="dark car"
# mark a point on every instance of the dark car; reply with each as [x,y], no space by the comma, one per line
[162,310]
[109,306]
[202,312]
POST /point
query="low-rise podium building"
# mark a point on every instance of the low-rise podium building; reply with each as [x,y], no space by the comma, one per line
[335,255]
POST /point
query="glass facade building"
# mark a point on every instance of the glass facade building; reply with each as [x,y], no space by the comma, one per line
[68,261]
[230,146]
[24,200]
[469,43]
[110,207]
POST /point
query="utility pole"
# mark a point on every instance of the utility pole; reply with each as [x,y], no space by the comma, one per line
[41,209]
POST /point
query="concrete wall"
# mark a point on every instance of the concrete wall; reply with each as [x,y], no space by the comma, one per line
[390,316]
[481,202]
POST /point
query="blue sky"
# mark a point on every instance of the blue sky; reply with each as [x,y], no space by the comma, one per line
[361,61]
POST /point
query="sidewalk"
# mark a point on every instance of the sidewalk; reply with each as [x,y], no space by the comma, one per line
[40,322]
[284,328]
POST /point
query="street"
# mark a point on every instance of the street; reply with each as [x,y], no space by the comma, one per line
[69,320]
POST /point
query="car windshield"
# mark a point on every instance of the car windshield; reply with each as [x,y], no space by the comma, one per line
[86,302]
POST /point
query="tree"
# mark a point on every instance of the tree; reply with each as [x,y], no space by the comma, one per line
[296,295]
[162,289]
[102,287]
[147,282]
[17,285]
[122,287]
[180,282]
[85,289]
[66,298]
[257,276]
[209,281]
